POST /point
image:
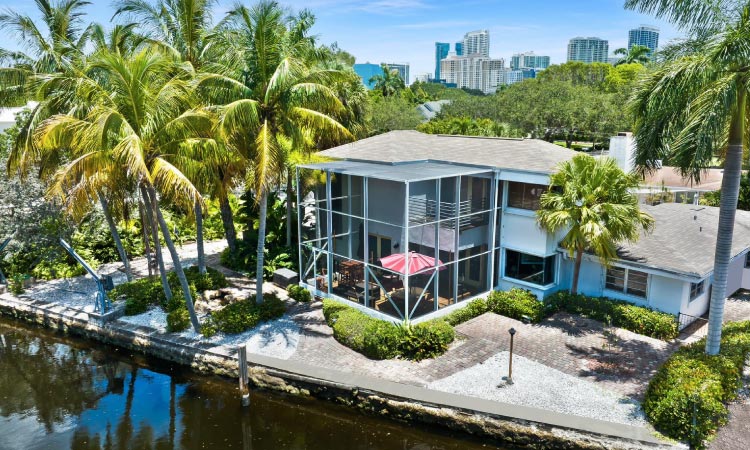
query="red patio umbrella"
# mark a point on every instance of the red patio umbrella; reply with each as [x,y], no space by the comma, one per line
[418,263]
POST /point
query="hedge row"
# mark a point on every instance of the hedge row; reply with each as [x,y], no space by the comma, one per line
[381,339]
[617,313]
[516,303]
[692,386]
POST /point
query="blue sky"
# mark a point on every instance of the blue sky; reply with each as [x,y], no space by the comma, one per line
[406,30]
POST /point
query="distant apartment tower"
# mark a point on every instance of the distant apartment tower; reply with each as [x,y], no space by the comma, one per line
[459,46]
[644,35]
[588,49]
[441,52]
[403,70]
[513,76]
[476,43]
[528,60]
[473,72]
[367,70]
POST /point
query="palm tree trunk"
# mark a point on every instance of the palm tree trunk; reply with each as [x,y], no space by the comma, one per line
[289,208]
[199,237]
[116,237]
[730,188]
[228,220]
[151,221]
[175,262]
[577,271]
[261,246]
[146,240]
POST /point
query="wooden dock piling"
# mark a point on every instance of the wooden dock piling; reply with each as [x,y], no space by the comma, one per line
[244,388]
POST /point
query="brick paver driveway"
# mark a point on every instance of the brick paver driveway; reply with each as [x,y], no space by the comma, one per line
[615,358]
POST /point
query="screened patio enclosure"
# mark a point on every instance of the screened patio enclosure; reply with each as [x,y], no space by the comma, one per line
[352,214]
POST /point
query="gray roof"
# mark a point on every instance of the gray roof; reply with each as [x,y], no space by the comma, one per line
[684,239]
[528,155]
[412,171]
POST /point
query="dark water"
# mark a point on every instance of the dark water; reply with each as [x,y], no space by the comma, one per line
[63,393]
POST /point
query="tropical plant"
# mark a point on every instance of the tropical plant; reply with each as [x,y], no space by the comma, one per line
[137,116]
[593,201]
[270,91]
[47,49]
[389,82]
[694,108]
[639,54]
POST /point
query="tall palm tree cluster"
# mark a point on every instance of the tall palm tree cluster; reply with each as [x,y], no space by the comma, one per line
[168,107]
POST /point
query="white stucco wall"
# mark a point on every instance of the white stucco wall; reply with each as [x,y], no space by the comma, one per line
[734,278]
[519,231]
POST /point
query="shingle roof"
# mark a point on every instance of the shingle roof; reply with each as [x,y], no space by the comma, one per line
[529,155]
[684,239]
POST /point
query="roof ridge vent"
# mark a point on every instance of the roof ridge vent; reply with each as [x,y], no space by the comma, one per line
[481,137]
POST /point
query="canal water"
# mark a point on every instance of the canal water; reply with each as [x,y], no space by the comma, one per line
[57,392]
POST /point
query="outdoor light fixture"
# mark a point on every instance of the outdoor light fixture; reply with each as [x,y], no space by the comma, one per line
[509,380]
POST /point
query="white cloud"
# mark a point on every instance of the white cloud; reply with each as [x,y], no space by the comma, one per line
[437,24]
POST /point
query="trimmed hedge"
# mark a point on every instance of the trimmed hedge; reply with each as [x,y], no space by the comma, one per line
[694,386]
[517,304]
[618,313]
[298,293]
[246,314]
[381,339]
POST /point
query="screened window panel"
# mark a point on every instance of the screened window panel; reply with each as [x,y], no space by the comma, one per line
[616,279]
[525,195]
[637,283]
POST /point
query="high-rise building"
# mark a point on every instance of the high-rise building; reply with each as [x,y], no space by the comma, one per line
[513,76]
[459,46]
[588,49]
[644,35]
[441,52]
[473,72]
[403,70]
[528,60]
[476,43]
[367,70]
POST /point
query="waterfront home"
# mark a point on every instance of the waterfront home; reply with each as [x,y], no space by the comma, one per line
[406,225]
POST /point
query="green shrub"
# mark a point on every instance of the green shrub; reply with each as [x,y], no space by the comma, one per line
[516,304]
[692,386]
[381,339]
[298,293]
[15,284]
[139,295]
[212,280]
[426,340]
[208,327]
[178,320]
[247,314]
[474,309]
[618,313]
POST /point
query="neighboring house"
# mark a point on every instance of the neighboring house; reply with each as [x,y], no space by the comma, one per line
[431,109]
[8,115]
[469,203]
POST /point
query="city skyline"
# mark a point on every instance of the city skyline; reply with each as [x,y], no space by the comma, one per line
[406,30]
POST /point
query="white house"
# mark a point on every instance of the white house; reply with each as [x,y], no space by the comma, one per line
[464,207]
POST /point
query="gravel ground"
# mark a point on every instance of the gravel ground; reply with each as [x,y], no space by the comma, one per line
[277,338]
[539,386]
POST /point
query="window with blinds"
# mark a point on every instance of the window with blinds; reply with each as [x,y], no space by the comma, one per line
[628,281]
[525,195]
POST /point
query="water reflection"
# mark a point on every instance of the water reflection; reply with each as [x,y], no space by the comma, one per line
[59,393]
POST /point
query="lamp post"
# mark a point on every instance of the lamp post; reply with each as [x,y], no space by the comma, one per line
[512,333]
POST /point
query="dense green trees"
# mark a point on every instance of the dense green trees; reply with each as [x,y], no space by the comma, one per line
[567,101]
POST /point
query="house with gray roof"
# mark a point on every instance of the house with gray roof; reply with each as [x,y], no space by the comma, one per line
[407,225]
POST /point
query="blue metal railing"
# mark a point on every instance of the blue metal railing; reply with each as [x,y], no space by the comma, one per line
[102,304]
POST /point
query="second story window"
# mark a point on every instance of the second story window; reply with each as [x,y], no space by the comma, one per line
[525,195]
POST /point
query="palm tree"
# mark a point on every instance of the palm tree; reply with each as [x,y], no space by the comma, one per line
[139,114]
[180,27]
[694,108]
[593,200]
[389,82]
[637,54]
[271,94]
[57,47]
[47,49]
